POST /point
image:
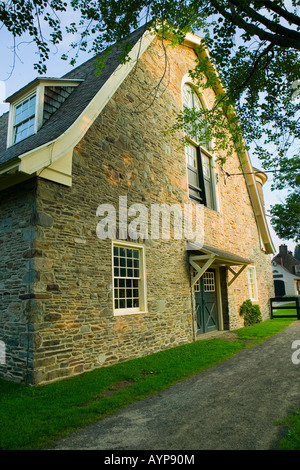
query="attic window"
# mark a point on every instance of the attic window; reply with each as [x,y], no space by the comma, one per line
[34,104]
[24,119]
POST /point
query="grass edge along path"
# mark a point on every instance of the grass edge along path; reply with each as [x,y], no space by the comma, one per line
[35,417]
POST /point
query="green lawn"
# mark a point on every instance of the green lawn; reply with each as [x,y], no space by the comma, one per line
[292,439]
[286,312]
[33,417]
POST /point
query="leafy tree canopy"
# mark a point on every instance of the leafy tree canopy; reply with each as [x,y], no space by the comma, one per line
[254,45]
[286,218]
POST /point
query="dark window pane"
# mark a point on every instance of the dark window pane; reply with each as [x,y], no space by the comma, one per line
[122,293]
[129,293]
[123,272]
[122,252]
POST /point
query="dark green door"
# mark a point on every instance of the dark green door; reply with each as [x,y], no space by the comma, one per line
[206,302]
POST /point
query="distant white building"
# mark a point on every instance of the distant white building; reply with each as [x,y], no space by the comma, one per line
[286,273]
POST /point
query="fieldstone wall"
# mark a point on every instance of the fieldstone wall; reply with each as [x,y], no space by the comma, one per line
[17,278]
[124,153]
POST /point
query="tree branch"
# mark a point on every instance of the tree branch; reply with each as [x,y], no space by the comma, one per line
[254,30]
[272,25]
[290,17]
[254,66]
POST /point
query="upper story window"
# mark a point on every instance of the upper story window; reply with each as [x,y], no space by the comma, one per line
[197,131]
[208,180]
[198,158]
[24,119]
[34,104]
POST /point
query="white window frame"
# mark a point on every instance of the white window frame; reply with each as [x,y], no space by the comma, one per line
[12,114]
[205,150]
[202,102]
[37,89]
[254,283]
[142,280]
[209,281]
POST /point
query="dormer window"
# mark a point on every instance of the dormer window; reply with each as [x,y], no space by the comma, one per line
[24,119]
[33,105]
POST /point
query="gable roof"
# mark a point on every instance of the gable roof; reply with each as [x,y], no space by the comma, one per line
[71,109]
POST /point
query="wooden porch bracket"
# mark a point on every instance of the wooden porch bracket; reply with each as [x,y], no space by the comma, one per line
[235,274]
[200,270]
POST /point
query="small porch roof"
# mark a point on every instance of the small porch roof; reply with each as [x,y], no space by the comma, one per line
[221,256]
[201,257]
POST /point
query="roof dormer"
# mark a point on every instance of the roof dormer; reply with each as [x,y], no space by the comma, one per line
[34,104]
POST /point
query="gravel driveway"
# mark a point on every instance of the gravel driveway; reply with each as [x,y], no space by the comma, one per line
[232,406]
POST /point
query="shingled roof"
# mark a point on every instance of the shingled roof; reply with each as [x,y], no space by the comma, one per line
[286,259]
[71,109]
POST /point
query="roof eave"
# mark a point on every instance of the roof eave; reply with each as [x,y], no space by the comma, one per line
[34,83]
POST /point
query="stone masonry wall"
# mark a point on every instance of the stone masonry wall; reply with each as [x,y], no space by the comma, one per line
[17,277]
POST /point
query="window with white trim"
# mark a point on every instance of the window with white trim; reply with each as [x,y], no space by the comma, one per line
[198,158]
[34,104]
[209,281]
[128,279]
[252,283]
[24,119]
[192,102]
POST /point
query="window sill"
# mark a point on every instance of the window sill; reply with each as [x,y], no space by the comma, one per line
[118,313]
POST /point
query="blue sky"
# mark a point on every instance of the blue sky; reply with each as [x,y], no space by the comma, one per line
[23,73]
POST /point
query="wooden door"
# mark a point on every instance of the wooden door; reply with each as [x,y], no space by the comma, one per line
[206,303]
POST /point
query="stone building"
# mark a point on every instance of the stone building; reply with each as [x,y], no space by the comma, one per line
[75,152]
